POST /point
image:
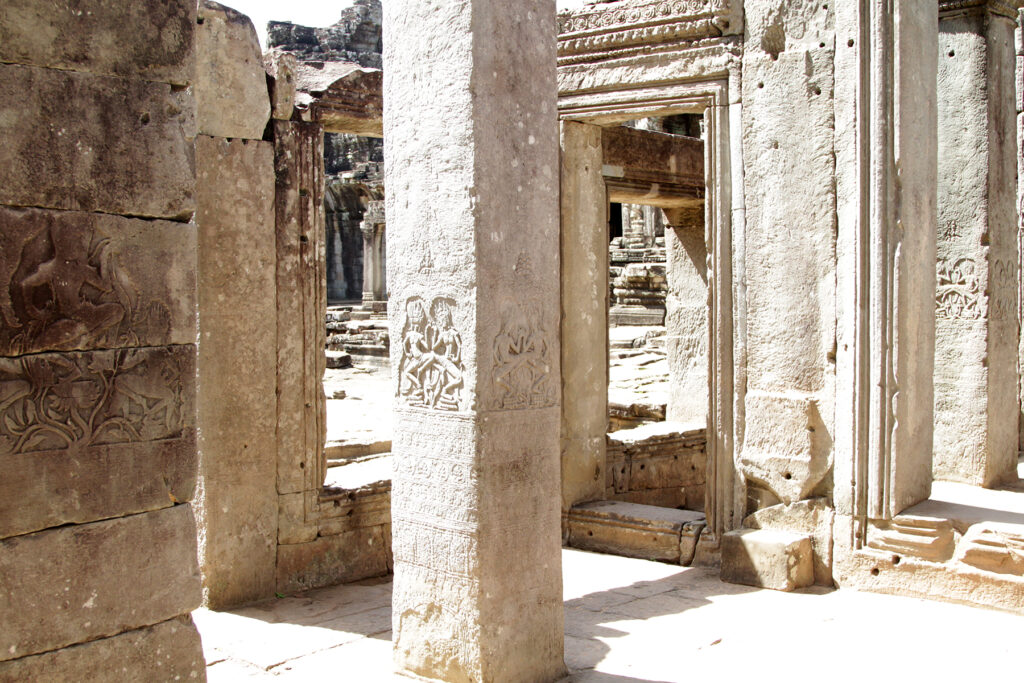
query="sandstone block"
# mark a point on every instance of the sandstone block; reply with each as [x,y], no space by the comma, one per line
[811,517]
[329,560]
[92,143]
[928,538]
[79,281]
[779,560]
[94,435]
[281,67]
[150,40]
[171,650]
[632,530]
[997,548]
[77,583]
[232,100]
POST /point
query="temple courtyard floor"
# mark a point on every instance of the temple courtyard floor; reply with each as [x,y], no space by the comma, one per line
[634,621]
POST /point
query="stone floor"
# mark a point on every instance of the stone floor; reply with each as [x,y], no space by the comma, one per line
[633,621]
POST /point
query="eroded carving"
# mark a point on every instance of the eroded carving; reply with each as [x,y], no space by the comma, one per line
[522,362]
[958,292]
[58,401]
[430,372]
[66,290]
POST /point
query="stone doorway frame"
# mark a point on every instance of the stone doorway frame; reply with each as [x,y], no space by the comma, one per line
[724,494]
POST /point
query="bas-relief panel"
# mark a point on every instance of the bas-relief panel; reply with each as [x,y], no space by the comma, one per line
[522,362]
[430,370]
[66,288]
[58,401]
[960,293]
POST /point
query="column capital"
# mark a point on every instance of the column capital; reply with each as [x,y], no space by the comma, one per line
[1005,8]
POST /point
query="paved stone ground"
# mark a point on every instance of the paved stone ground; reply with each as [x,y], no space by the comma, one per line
[633,621]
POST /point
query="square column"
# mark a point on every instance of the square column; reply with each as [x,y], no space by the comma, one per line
[471,139]
[977,333]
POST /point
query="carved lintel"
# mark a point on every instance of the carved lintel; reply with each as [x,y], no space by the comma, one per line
[1003,8]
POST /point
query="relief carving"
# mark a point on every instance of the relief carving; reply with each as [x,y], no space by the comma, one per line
[430,372]
[958,292]
[65,289]
[522,363]
[56,401]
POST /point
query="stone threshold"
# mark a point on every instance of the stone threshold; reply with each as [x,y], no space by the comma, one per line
[634,530]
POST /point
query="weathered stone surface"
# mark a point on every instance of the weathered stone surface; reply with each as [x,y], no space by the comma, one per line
[237,412]
[993,547]
[780,560]
[94,435]
[171,650]
[475,522]
[928,538]
[355,37]
[686,322]
[281,67]
[632,530]
[77,583]
[93,143]
[329,560]
[977,328]
[86,281]
[812,517]
[584,327]
[232,100]
[150,40]
[343,97]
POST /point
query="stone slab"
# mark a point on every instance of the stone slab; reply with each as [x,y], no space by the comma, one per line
[232,99]
[630,529]
[813,517]
[94,435]
[330,560]
[78,281]
[151,40]
[779,560]
[168,651]
[93,143]
[237,411]
[76,583]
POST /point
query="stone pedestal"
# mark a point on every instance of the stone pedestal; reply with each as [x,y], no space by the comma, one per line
[977,333]
[472,147]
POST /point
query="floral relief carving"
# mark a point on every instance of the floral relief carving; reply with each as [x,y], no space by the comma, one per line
[67,289]
[430,371]
[58,401]
[522,363]
[959,294]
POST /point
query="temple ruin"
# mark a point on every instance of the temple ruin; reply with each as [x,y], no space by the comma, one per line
[730,285]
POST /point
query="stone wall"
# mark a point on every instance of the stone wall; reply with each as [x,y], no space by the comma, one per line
[662,464]
[98,565]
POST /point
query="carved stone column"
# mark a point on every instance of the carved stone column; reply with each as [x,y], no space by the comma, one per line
[471,141]
[977,332]
[374,289]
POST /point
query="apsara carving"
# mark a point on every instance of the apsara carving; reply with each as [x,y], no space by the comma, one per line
[522,363]
[68,290]
[430,372]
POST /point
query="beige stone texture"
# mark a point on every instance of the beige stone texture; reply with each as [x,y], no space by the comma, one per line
[994,547]
[93,143]
[114,282]
[584,327]
[94,435]
[170,650]
[472,151]
[812,517]
[632,530]
[686,322]
[232,100]
[349,556]
[237,411]
[977,327]
[780,560]
[281,66]
[149,40]
[78,583]
[928,538]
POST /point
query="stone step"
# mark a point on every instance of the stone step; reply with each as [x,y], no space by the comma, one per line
[337,360]
[633,530]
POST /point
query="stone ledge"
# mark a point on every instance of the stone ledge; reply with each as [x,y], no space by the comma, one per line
[634,530]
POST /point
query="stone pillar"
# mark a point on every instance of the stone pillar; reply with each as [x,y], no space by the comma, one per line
[98,568]
[584,330]
[885,159]
[1019,102]
[472,146]
[686,316]
[237,501]
[374,289]
[976,327]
